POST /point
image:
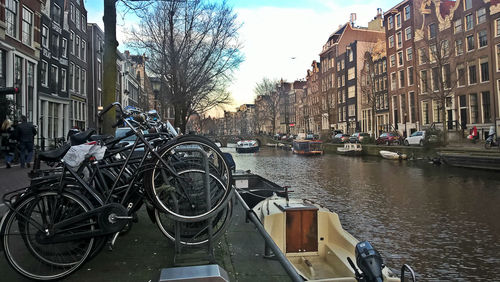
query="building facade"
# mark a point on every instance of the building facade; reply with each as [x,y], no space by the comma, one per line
[95,52]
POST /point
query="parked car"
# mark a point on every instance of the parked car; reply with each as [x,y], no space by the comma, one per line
[358,137]
[389,138]
[340,138]
[122,131]
[416,138]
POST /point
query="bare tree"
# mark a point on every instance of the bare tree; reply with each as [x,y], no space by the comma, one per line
[369,78]
[438,81]
[193,47]
[270,107]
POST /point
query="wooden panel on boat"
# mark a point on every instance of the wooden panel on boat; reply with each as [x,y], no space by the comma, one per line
[302,230]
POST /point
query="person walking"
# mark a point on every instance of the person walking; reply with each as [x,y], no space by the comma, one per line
[25,133]
[8,142]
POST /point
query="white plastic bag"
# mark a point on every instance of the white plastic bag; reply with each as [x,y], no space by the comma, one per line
[77,154]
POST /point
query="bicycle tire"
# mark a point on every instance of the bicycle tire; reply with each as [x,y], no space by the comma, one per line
[176,148]
[38,261]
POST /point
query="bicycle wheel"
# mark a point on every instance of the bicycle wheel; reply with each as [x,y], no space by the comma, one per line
[195,233]
[28,227]
[179,185]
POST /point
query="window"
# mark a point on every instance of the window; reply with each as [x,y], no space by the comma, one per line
[56,13]
[351,74]
[408,33]
[391,22]
[54,44]
[459,47]
[483,38]
[445,48]
[83,88]
[435,79]
[460,75]
[469,22]
[407,13]
[64,48]
[393,60]
[78,20]
[350,55]
[409,54]
[486,107]
[393,81]
[497,27]
[391,41]
[99,70]
[473,108]
[432,30]
[400,58]
[413,113]
[77,46]
[399,39]
[77,79]
[45,36]
[84,23]
[54,78]
[352,110]
[425,112]
[433,52]
[401,78]
[424,81]
[446,71]
[72,12]
[71,76]
[422,57]
[63,79]
[481,15]
[27,26]
[472,74]
[398,21]
[458,25]
[11,17]
[351,91]
[384,65]
[72,42]
[84,51]
[485,74]
[467,4]
[44,75]
[410,76]
[498,56]
[470,43]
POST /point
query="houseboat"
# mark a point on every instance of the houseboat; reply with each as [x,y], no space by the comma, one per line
[351,149]
[307,147]
[247,146]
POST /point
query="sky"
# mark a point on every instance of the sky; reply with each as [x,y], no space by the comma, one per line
[280,38]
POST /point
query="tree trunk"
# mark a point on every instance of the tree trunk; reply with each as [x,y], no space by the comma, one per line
[445,123]
[374,123]
[109,64]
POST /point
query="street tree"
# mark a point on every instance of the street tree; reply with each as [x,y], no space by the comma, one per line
[269,108]
[369,76]
[193,47]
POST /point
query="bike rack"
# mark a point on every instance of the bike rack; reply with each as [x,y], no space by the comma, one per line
[178,228]
[412,273]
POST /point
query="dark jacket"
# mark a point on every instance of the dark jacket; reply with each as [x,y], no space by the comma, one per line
[25,132]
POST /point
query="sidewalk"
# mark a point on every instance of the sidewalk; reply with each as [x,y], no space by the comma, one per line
[12,179]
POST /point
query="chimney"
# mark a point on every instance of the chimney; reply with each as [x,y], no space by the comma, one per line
[352,18]
[379,12]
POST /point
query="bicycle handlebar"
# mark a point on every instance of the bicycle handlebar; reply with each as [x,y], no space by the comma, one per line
[108,107]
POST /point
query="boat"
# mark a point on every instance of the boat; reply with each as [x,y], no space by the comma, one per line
[307,147]
[313,240]
[352,149]
[247,146]
[274,145]
[392,155]
[479,160]
[254,188]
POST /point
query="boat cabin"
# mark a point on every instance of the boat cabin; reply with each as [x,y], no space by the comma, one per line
[308,147]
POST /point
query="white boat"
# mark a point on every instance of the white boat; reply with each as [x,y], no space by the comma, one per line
[247,146]
[392,155]
[313,240]
[350,149]
[274,145]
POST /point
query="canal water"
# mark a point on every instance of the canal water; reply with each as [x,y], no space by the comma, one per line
[443,221]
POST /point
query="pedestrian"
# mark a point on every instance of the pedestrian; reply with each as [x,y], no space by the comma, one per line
[8,142]
[25,133]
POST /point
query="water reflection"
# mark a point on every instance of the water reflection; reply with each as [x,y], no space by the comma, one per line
[441,220]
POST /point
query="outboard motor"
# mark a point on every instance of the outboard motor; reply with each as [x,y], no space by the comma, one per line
[369,261]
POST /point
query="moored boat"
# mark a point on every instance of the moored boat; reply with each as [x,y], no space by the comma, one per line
[352,149]
[247,146]
[313,240]
[392,155]
[307,147]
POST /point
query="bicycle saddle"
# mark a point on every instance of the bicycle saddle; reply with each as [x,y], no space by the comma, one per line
[54,155]
[82,137]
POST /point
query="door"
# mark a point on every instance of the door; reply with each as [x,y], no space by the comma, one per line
[463,117]
[450,119]
[301,230]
